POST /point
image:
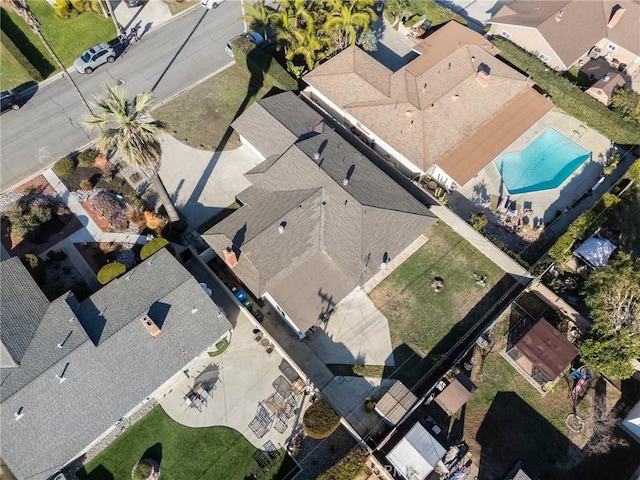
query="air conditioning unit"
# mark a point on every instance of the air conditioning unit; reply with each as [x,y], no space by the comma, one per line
[595,53]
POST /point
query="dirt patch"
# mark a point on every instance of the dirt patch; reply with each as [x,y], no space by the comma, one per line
[98,255]
[99,179]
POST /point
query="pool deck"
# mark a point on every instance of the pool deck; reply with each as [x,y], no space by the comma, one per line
[544,203]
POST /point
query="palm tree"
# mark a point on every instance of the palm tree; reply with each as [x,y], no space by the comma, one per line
[291,16]
[126,126]
[309,45]
[348,17]
[257,16]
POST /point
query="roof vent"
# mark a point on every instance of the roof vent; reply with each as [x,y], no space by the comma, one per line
[409,113]
[281,227]
[151,326]
[229,257]
[455,97]
[194,310]
[559,15]
[61,377]
[350,171]
[61,344]
[616,15]
[316,156]
[19,414]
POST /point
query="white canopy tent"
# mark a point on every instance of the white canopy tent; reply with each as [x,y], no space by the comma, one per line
[417,454]
[595,251]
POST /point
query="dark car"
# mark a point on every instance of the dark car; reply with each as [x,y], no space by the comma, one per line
[133,3]
[10,100]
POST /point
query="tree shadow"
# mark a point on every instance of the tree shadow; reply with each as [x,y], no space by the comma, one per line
[98,473]
[154,452]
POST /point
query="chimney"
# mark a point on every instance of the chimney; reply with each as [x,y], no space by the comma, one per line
[151,327]
[229,257]
[616,16]
[482,78]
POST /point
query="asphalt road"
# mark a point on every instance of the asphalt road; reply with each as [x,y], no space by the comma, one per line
[167,61]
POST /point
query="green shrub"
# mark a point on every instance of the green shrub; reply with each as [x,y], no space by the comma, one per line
[16,53]
[320,420]
[87,157]
[634,171]
[86,185]
[27,217]
[369,404]
[141,471]
[569,97]
[478,221]
[36,267]
[262,66]
[110,271]
[560,250]
[64,167]
[81,6]
[64,9]
[350,467]
[152,247]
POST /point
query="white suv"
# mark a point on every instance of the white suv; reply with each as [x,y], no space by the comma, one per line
[94,57]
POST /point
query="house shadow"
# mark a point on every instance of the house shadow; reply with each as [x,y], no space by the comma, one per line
[513,431]
[93,320]
[158,313]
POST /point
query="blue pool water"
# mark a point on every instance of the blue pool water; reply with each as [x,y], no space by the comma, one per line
[544,164]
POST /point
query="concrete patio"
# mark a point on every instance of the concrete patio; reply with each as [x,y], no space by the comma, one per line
[246,375]
[544,203]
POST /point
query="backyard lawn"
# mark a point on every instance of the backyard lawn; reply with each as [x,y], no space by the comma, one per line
[419,316]
[182,452]
[212,106]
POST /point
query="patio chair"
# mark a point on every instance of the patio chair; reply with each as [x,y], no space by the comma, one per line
[269,349]
[258,337]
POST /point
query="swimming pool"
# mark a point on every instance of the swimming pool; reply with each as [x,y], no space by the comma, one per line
[544,164]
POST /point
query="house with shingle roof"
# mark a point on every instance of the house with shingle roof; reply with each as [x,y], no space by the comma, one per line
[446,114]
[77,368]
[319,218]
[568,32]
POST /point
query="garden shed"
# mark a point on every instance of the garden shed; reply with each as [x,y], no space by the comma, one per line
[456,394]
[417,454]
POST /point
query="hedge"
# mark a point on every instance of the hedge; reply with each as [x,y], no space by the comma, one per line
[64,167]
[15,52]
[320,420]
[110,271]
[262,66]
[350,467]
[152,247]
[569,97]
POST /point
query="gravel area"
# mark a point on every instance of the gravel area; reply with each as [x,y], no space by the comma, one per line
[9,197]
[71,469]
[316,456]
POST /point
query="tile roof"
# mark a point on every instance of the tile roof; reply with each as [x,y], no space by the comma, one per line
[23,307]
[582,24]
[355,225]
[434,103]
[106,381]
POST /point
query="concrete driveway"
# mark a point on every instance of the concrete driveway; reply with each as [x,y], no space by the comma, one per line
[150,14]
[246,374]
[200,182]
[356,333]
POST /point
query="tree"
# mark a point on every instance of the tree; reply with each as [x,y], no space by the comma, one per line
[257,16]
[611,353]
[613,294]
[22,9]
[291,16]
[126,126]
[627,104]
[348,18]
[309,45]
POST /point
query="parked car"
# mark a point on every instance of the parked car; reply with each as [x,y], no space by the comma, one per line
[253,37]
[133,3]
[10,100]
[94,57]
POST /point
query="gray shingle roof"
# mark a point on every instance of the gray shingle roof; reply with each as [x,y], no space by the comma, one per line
[106,381]
[23,307]
[357,225]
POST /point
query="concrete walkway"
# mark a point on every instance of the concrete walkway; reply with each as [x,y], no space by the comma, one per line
[482,244]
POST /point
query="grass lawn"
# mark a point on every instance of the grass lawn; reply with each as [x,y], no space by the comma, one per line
[12,74]
[201,117]
[183,452]
[507,420]
[420,317]
[68,38]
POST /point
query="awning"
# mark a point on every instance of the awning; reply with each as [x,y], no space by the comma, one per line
[452,398]
[595,251]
